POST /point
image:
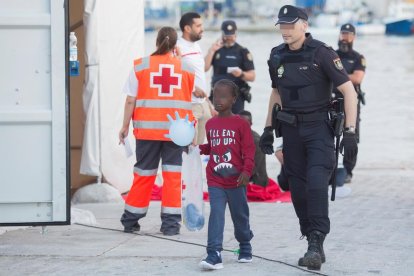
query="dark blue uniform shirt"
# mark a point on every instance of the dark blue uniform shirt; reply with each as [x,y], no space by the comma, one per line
[234,56]
[352,61]
[325,60]
[304,77]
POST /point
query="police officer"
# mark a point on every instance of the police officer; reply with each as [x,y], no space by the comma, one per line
[231,61]
[354,64]
[302,71]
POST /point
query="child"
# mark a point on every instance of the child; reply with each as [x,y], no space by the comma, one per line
[231,149]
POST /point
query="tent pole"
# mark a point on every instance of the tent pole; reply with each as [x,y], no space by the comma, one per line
[99,178]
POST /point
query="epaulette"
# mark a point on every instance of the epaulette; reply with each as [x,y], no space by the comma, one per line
[328,46]
[239,47]
[278,48]
[244,49]
[316,43]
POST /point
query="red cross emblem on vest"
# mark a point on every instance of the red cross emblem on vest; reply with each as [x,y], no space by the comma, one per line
[165,80]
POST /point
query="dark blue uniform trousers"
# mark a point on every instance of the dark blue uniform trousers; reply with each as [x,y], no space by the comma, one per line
[309,160]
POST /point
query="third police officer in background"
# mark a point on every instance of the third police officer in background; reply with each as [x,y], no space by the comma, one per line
[233,62]
[302,71]
[354,64]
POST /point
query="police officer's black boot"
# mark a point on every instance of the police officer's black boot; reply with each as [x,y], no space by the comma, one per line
[303,261]
[315,255]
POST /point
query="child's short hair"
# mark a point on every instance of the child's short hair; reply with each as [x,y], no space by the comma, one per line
[234,88]
[247,114]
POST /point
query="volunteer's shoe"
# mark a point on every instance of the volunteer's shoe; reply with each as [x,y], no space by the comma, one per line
[212,262]
[134,228]
[171,232]
[245,258]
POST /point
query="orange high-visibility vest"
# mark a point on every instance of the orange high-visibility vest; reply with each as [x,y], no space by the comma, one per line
[164,86]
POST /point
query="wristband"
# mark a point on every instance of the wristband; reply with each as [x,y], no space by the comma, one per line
[350,129]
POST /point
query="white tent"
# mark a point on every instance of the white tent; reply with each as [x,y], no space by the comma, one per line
[114,36]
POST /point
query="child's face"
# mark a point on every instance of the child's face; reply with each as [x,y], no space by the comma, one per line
[223,98]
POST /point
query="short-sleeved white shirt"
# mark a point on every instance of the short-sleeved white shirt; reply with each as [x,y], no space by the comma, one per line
[131,84]
[192,57]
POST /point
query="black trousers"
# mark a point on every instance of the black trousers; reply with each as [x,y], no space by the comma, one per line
[309,159]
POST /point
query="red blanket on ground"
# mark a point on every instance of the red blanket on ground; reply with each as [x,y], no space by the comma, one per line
[255,193]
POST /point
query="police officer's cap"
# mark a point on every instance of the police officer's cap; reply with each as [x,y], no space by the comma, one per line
[229,27]
[290,14]
[348,28]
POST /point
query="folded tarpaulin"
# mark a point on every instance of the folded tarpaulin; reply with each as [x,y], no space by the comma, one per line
[255,193]
[270,193]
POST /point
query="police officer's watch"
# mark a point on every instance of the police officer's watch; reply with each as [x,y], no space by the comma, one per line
[350,130]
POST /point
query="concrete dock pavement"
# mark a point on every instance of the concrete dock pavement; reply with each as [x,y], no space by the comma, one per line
[371,235]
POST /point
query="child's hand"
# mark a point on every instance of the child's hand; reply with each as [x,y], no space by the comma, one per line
[243,179]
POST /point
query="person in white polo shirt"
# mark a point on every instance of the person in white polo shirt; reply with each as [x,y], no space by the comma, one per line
[191,26]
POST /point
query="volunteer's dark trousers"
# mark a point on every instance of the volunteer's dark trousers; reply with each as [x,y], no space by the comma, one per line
[148,154]
[309,159]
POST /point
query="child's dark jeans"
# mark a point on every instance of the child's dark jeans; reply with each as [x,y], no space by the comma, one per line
[239,210]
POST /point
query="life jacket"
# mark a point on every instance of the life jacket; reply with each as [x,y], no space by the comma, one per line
[164,87]
[302,85]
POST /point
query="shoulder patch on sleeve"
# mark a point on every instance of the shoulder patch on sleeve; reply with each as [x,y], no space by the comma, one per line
[338,64]
[363,61]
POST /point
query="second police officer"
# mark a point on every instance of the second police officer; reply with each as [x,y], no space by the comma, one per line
[354,64]
[231,61]
[302,71]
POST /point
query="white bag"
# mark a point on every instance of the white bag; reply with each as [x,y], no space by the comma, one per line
[192,194]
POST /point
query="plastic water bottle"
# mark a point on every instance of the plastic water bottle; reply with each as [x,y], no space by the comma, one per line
[73,49]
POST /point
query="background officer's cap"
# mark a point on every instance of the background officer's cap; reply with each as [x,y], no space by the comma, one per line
[290,14]
[229,27]
[348,28]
